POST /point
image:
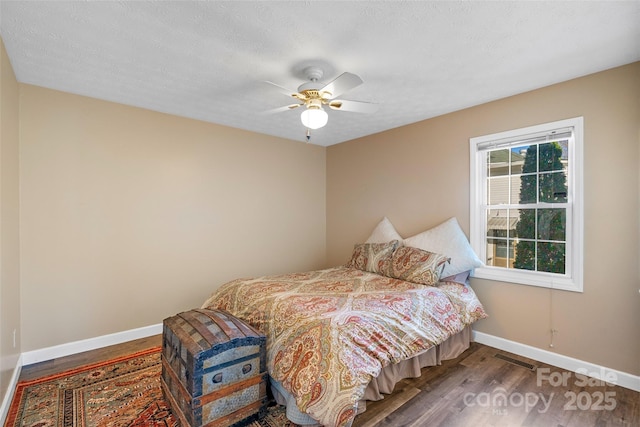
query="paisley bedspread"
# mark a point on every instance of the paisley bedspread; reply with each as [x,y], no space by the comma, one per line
[329,332]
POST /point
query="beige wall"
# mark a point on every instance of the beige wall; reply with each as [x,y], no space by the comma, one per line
[418,176]
[129,216]
[9,223]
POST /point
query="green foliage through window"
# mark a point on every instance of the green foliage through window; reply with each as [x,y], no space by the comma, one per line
[543,181]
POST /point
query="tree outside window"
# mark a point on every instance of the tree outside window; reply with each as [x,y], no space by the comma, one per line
[541,232]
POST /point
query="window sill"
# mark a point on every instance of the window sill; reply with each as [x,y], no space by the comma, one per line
[518,277]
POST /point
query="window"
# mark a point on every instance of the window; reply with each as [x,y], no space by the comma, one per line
[526,205]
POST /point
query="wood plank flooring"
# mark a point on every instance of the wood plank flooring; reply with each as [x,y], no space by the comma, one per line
[480,389]
[476,389]
[62,364]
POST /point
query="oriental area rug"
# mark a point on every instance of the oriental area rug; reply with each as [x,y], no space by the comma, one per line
[122,392]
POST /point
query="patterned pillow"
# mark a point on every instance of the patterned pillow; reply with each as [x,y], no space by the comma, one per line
[417,266]
[373,257]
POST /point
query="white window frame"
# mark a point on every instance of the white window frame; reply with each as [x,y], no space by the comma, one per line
[572,280]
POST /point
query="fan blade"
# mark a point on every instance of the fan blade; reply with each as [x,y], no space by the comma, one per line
[281,109]
[355,106]
[283,90]
[341,84]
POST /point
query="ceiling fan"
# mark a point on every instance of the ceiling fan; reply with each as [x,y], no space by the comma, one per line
[313,95]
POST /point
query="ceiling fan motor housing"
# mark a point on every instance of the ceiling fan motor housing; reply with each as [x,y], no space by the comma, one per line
[314,103]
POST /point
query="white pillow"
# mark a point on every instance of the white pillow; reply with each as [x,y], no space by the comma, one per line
[384,232]
[447,239]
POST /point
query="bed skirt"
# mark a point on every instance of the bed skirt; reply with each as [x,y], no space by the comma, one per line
[389,376]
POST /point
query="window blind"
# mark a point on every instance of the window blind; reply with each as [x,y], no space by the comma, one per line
[535,138]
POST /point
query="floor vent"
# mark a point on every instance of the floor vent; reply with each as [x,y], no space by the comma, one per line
[529,366]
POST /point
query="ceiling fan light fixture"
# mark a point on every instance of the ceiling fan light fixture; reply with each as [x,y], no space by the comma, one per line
[313,95]
[314,117]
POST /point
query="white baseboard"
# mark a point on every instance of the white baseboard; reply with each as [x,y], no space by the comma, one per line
[11,389]
[620,378]
[49,353]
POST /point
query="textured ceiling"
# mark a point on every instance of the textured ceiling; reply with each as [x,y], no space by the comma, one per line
[209,60]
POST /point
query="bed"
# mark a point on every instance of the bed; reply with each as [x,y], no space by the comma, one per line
[339,336]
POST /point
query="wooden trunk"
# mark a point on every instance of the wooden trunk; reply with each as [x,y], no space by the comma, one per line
[213,369]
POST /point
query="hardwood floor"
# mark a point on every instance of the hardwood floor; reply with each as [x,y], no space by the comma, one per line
[476,389]
[62,364]
[480,389]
